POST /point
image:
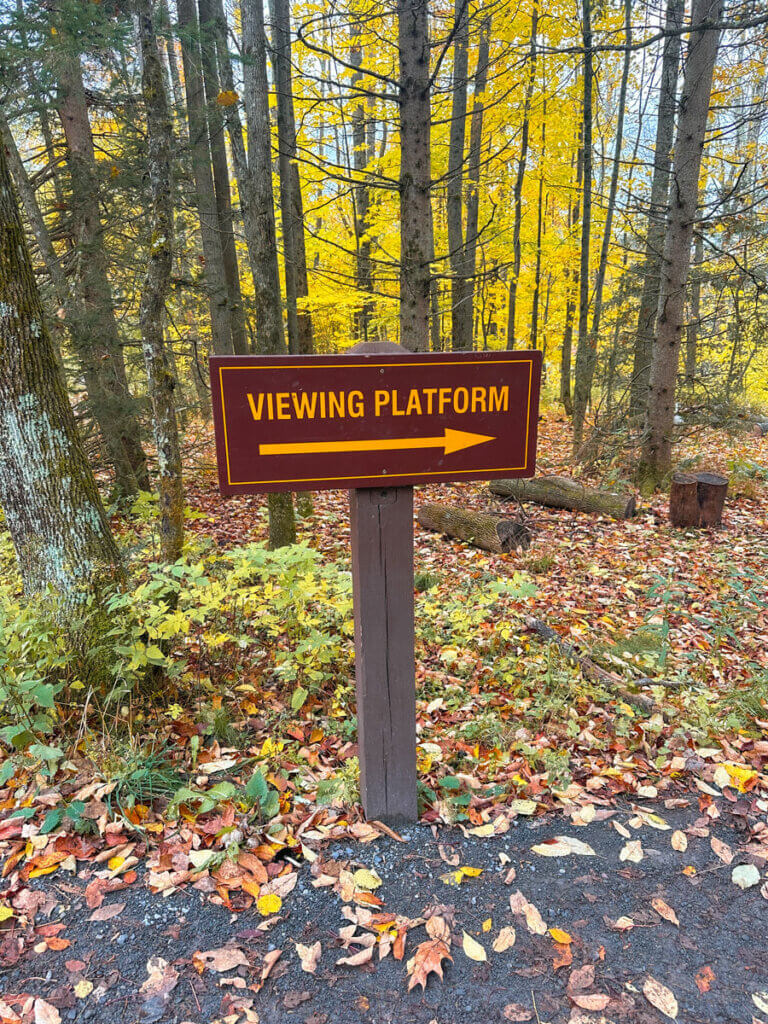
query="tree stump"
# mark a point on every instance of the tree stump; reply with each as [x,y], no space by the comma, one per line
[684,500]
[562,492]
[486,531]
[712,489]
[697,499]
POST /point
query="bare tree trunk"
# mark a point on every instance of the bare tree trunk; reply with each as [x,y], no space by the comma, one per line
[656,456]
[518,187]
[48,493]
[269,328]
[102,358]
[473,167]
[166,30]
[416,237]
[291,203]
[581,383]
[363,130]
[205,194]
[160,380]
[572,287]
[212,88]
[657,210]
[461,305]
[586,358]
[539,232]
[262,236]
[692,331]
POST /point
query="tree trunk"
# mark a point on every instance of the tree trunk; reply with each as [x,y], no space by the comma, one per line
[416,238]
[489,532]
[101,354]
[694,322]
[260,217]
[697,499]
[263,240]
[572,289]
[562,492]
[160,380]
[689,144]
[461,308]
[657,211]
[541,211]
[586,355]
[361,157]
[518,187]
[291,203]
[212,88]
[205,194]
[48,493]
[473,168]
[171,57]
[580,383]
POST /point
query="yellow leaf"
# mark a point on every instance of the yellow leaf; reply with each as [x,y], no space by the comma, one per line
[5,913]
[365,879]
[269,904]
[482,831]
[728,774]
[115,862]
[83,989]
[679,841]
[487,924]
[560,936]
[471,872]
[473,949]
[227,98]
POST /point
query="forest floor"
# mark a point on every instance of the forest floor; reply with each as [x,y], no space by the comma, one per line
[219,823]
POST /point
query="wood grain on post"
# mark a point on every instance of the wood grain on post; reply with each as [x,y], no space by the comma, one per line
[684,500]
[489,532]
[381,521]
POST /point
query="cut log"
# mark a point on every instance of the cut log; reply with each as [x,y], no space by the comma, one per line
[486,531]
[697,499]
[684,500]
[562,492]
[712,489]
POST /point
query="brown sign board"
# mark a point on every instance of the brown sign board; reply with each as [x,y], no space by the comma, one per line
[371,420]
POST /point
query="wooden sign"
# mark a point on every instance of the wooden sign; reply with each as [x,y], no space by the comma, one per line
[359,420]
[377,420]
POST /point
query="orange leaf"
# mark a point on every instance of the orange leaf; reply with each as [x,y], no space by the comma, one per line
[427,959]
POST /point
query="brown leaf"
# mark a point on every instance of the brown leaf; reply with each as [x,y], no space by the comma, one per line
[704,979]
[356,959]
[220,960]
[581,978]
[665,910]
[660,997]
[427,959]
[592,1001]
[517,1012]
[293,999]
[108,912]
[162,979]
[721,849]
[45,1013]
[309,956]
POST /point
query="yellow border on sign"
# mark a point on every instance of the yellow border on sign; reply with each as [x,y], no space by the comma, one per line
[380,476]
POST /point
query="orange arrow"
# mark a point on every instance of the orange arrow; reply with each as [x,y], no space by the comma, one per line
[451,441]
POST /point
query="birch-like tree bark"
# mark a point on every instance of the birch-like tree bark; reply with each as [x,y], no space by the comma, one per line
[48,493]
[416,235]
[205,194]
[160,379]
[101,354]
[694,321]
[657,209]
[363,132]
[656,458]
[471,237]
[291,202]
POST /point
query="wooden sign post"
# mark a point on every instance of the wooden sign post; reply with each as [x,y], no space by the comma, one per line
[377,420]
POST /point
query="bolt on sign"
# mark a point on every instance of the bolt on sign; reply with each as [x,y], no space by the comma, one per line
[377,420]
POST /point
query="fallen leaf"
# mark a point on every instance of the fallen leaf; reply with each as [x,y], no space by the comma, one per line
[269,904]
[760,999]
[161,980]
[473,949]
[660,997]
[560,936]
[745,876]
[45,1013]
[517,1012]
[293,999]
[83,988]
[563,956]
[591,1000]
[664,910]
[632,851]
[438,928]
[106,913]
[504,940]
[721,849]
[581,978]
[356,959]
[220,960]
[309,956]
[562,846]
[519,905]
[365,879]
[704,979]
[427,959]
[679,841]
